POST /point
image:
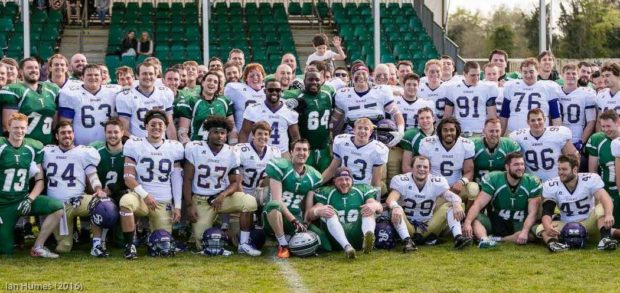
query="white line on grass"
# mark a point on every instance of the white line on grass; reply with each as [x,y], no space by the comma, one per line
[291,276]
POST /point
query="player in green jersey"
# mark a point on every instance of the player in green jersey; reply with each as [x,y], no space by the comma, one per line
[194,111]
[491,149]
[20,159]
[289,182]
[314,107]
[411,140]
[347,212]
[35,99]
[514,199]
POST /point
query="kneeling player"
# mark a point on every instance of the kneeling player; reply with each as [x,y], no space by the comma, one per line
[153,172]
[514,197]
[575,193]
[339,207]
[213,185]
[418,192]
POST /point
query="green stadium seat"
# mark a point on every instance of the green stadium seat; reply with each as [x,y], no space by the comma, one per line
[6,24]
[306,8]
[294,8]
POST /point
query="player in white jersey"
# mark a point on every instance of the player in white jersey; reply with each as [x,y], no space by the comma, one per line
[542,145]
[413,204]
[448,72]
[244,94]
[451,157]
[153,172]
[575,194]
[521,96]
[409,103]
[363,156]
[212,184]
[254,157]
[67,167]
[470,101]
[577,106]
[431,89]
[609,98]
[283,120]
[364,101]
[132,104]
[58,72]
[88,106]
[491,76]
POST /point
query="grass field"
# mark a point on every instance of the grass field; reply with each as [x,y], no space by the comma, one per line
[507,268]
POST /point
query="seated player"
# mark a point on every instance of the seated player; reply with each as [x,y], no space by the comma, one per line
[575,194]
[347,212]
[512,198]
[423,215]
[212,184]
[289,182]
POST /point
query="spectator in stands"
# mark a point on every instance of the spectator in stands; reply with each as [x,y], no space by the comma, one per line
[145,46]
[232,71]
[78,61]
[103,7]
[11,69]
[2,75]
[547,62]
[322,53]
[129,44]
[237,56]
[124,76]
[73,10]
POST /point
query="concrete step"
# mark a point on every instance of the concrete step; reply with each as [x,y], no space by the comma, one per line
[94,43]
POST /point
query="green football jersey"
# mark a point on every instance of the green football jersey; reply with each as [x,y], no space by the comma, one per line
[599,146]
[314,120]
[506,203]
[198,110]
[194,92]
[486,161]
[294,186]
[411,140]
[15,166]
[39,106]
[348,206]
[110,169]
[288,94]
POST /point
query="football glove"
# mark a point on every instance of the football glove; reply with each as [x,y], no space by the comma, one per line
[25,206]
[298,105]
[299,227]
[578,145]
[298,85]
[397,136]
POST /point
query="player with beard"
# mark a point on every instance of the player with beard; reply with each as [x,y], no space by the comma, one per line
[413,136]
[35,99]
[582,199]
[431,88]
[547,62]
[284,74]
[491,149]
[78,61]
[232,71]
[512,200]
[283,120]
[249,92]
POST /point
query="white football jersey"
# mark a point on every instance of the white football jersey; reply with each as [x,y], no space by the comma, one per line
[436,96]
[615,147]
[336,83]
[66,170]
[369,105]
[242,95]
[360,159]
[574,206]
[418,204]
[211,170]
[89,112]
[131,103]
[280,120]
[154,164]
[520,98]
[70,83]
[470,103]
[410,109]
[447,163]
[605,101]
[542,153]
[253,165]
[577,109]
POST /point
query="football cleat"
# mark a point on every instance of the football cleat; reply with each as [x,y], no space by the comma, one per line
[607,244]
[369,242]
[349,251]
[130,252]
[409,245]
[495,238]
[461,241]
[42,251]
[557,246]
[249,249]
[283,252]
[432,240]
[487,243]
[99,251]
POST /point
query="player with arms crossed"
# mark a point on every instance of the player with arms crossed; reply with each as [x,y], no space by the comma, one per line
[413,136]
[289,182]
[575,194]
[347,212]
[542,145]
[153,173]
[512,199]
[416,212]
[20,160]
[67,167]
[88,106]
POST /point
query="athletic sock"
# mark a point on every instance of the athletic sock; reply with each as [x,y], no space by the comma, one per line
[368,224]
[244,237]
[128,237]
[401,228]
[455,226]
[282,240]
[335,229]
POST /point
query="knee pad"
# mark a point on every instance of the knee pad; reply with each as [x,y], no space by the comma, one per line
[272,205]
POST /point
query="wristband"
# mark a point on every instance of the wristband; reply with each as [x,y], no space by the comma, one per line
[393,205]
[140,191]
[465,180]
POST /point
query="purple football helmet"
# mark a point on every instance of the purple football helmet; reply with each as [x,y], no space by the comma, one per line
[574,235]
[161,243]
[103,212]
[382,132]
